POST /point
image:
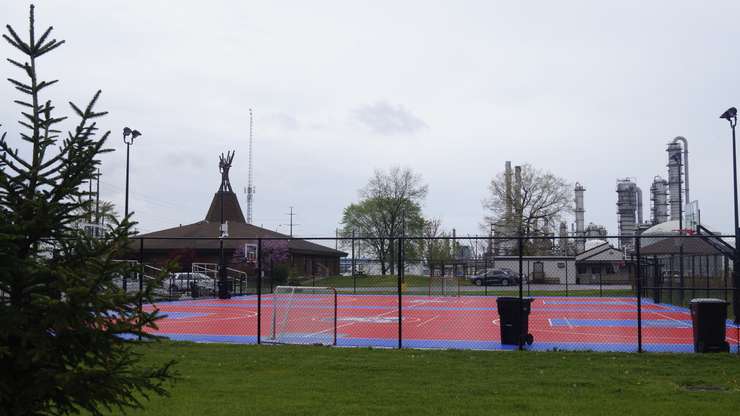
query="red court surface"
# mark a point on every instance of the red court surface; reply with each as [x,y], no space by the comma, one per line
[467,322]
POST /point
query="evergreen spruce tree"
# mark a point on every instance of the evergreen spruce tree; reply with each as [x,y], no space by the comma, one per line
[67,332]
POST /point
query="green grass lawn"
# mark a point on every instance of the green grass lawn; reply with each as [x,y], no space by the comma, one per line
[295,380]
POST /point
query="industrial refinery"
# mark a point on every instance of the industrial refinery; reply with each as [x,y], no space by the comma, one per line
[669,201]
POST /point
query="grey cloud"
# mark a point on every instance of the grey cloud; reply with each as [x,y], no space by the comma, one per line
[386,119]
[285,121]
[185,158]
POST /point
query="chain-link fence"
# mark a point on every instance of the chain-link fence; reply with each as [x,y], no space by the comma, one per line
[539,293]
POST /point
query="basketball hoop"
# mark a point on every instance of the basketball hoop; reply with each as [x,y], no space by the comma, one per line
[250,253]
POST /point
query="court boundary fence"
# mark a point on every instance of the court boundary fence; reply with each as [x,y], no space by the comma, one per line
[648,282]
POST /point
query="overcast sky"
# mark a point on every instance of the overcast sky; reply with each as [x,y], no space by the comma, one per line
[452,90]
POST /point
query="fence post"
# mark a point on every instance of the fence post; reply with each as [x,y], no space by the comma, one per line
[638,278]
[656,280]
[400,295]
[709,272]
[566,277]
[259,291]
[725,270]
[521,290]
[693,276]
[354,275]
[141,277]
[682,292]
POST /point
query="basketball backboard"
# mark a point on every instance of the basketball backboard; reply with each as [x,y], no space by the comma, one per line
[691,215]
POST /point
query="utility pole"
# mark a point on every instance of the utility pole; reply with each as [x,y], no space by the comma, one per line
[291,214]
[97,198]
[89,200]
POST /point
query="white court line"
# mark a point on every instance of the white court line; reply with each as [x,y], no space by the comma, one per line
[672,319]
[417,302]
[351,323]
[567,322]
[204,320]
[428,320]
[329,329]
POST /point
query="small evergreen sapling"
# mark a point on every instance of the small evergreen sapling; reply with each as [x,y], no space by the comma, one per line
[67,332]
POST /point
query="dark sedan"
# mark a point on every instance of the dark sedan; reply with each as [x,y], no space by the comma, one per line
[495,277]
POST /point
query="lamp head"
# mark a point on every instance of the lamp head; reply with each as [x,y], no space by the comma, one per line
[730,114]
[127,132]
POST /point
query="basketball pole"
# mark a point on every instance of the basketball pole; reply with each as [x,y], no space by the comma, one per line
[731,116]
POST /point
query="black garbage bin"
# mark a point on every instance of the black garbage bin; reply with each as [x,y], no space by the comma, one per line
[708,317]
[514,319]
[223,289]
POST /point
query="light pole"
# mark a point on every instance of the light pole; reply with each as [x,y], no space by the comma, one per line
[223,289]
[128,138]
[731,116]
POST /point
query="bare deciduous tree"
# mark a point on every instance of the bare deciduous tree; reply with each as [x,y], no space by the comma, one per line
[538,204]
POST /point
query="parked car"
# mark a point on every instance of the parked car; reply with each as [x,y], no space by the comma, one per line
[358,272]
[182,282]
[503,277]
[132,284]
[131,281]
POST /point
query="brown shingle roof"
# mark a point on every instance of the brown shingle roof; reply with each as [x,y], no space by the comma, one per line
[244,232]
[237,229]
[232,210]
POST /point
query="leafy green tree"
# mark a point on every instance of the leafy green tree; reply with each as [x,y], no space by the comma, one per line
[67,332]
[390,206]
[436,247]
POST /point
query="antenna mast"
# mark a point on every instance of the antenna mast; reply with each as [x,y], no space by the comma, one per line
[250,184]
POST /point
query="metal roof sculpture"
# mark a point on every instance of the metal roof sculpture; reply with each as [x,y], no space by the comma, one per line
[224,164]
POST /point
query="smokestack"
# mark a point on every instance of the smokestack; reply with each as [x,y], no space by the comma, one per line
[580,240]
[507,182]
[563,243]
